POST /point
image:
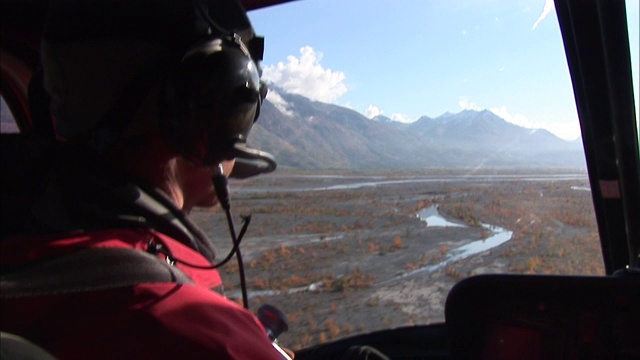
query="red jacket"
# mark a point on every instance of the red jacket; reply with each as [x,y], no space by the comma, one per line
[148,320]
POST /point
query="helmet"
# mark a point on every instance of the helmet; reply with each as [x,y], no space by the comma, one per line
[102,57]
[212,100]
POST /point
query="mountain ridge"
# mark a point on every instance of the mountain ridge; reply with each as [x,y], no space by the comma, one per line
[307,134]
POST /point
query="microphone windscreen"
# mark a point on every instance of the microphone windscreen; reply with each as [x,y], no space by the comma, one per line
[251,162]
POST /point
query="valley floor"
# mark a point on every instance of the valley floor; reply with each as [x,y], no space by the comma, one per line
[345,253]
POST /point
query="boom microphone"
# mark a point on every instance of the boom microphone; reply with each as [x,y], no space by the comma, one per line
[251,162]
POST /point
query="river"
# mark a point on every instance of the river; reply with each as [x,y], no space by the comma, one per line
[497,236]
[432,218]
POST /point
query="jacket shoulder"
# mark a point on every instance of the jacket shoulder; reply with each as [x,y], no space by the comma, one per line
[206,321]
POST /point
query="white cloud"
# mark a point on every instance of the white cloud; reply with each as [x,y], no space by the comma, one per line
[466,104]
[548,6]
[280,103]
[401,118]
[517,119]
[305,76]
[372,111]
[569,130]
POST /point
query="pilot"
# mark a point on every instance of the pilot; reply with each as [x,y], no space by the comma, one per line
[150,100]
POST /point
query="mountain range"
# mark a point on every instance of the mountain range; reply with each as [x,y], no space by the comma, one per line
[306,134]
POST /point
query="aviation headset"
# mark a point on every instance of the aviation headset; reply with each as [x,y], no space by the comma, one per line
[212,100]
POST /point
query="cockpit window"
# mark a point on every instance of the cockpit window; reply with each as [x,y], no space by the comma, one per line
[418,143]
[8,123]
[633,9]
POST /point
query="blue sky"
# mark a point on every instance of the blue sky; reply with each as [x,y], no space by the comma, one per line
[411,58]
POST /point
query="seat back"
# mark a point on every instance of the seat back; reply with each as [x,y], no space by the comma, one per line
[13,347]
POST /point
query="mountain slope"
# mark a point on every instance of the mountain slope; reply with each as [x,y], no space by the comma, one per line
[306,134]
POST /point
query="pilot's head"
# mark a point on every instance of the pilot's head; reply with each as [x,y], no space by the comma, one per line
[192,65]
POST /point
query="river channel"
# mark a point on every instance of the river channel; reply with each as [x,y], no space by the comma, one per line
[339,182]
[497,236]
[432,218]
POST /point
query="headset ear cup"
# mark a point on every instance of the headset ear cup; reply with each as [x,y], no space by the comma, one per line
[210,101]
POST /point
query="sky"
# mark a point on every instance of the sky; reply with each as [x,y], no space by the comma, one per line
[410,58]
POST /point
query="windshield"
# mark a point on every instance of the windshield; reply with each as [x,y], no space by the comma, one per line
[419,143]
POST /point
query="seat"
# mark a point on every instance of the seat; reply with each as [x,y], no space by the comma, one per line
[13,347]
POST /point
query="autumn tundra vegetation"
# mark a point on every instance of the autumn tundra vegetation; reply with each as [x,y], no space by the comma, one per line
[344,253]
